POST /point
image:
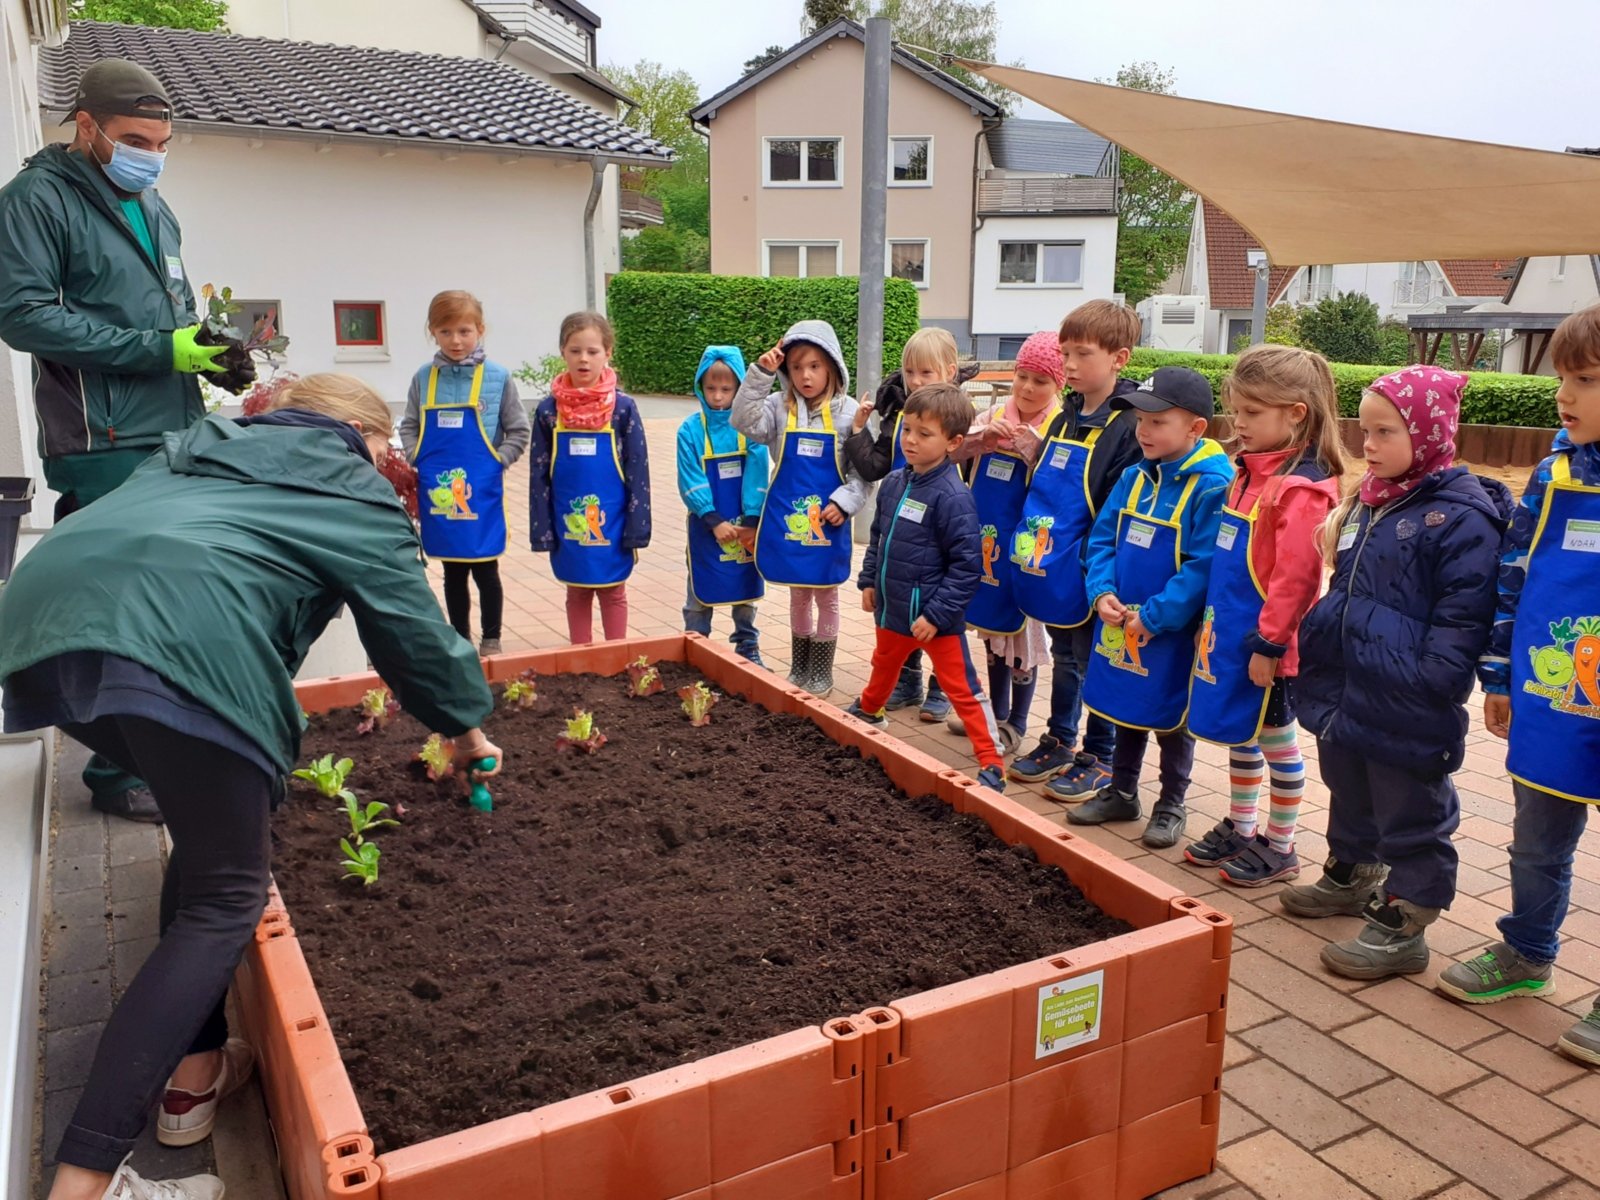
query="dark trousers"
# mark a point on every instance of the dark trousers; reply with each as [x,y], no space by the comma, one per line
[215,804]
[458,599]
[1177,762]
[1544,834]
[1069,661]
[1379,813]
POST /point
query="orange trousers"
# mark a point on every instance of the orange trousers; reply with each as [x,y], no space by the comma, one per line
[889,654]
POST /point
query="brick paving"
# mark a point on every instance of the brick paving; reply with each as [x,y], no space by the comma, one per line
[1333,1088]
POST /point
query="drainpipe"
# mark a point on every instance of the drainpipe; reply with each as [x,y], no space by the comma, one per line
[597,167]
[972,240]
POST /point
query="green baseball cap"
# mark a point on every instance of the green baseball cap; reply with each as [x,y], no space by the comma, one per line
[115,87]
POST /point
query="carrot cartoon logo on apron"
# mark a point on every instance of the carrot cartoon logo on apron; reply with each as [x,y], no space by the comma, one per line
[1567,671]
[586,521]
[1120,650]
[450,498]
[1204,643]
[1032,543]
[805,522]
[991,554]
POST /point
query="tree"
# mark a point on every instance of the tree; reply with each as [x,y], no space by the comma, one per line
[1342,328]
[762,59]
[964,28]
[1154,210]
[818,14]
[1283,328]
[664,99]
[204,15]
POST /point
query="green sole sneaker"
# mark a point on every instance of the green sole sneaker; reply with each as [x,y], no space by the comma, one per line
[1500,973]
[1525,987]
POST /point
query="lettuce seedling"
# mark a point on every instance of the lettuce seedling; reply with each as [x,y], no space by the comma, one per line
[521,692]
[437,755]
[581,734]
[327,776]
[643,678]
[360,862]
[365,817]
[698,700]
[378,708]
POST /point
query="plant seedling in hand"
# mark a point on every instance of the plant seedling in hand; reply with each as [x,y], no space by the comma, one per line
[698,700]
[521,692]
[236,367]
[437,756]
[360,862]
[581,733]
[378,708]
[643,678]
[327,776]
[365,817]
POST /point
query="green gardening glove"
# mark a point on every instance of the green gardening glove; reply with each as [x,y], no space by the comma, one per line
[190,358]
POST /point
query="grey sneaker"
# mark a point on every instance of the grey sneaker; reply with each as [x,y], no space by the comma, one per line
[1165,826]
[1582,1041]
[488,647]
[1499,973]
[1108,804]
[1391,943]
[1332,897]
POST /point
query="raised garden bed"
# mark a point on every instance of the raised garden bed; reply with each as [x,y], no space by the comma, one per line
[958,1090]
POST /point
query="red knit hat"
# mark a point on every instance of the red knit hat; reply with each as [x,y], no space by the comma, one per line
[1041,354]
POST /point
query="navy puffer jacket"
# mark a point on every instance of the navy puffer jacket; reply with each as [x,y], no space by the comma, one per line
[925,554]
[1387,656]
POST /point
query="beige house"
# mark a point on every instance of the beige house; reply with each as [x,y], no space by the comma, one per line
[786,162]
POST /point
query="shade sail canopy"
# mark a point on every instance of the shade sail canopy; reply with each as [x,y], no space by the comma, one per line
[1315,191]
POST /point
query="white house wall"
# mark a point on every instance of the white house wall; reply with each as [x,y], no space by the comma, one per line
[1011,311]
[19,138]
[286,223]
[427,26]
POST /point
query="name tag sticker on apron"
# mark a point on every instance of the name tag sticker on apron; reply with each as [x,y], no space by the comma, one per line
[1347,536]
[582,446]
[1058,457]
[913,510]
[730,470]
[1001,469]
[1140,535]
[1583,536]
[174,267]
[1226,535]
[808,448]
[451,420]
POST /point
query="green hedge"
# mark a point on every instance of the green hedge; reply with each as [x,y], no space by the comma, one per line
[1491,398]
[664,321]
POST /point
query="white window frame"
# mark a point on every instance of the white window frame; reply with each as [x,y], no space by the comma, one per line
[1083,251]
[1559,272]
[766,162]
[910,183]
[927,258]
[1311,292]
[363,352]
[803,245]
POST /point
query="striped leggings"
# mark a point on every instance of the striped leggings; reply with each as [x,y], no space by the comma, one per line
[1277,753]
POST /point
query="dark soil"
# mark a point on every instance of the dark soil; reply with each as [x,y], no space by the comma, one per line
[682,892]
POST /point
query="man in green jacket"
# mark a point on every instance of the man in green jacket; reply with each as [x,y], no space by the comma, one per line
[92,285]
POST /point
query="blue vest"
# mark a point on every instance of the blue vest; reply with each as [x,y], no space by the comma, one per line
[455,386]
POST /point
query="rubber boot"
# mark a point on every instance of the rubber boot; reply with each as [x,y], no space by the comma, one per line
[799,660]
[1391,944]
[820,680]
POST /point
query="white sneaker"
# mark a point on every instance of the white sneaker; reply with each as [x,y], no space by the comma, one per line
[187,1117]
[127,1185]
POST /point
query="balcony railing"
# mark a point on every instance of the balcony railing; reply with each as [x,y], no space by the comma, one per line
[1066,194]
[1413,293]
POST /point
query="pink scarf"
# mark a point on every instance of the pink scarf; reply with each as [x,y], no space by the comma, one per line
[1428,400]
[585,407]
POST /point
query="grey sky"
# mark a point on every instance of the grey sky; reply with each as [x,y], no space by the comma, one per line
[1520,73]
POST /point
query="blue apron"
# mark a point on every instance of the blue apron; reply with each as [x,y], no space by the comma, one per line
[1555,647]
[461,478]
[794,545]
[1224,706]
[590,499]
[718,573]
[999,490]
[898,459]
[1047,545]
[1142,685]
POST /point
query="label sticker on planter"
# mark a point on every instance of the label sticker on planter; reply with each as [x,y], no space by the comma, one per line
[1069,1013]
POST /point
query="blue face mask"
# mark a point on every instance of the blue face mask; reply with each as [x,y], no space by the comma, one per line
[132,169]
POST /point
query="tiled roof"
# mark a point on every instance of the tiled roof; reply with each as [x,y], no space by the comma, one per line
[1050,147]
[1477,277]
[1232,282]
[310,87]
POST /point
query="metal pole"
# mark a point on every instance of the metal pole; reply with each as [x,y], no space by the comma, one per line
[874,222]
[1258,314]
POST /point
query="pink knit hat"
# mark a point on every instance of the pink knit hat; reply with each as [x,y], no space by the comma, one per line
[1041,354]
[1428,400]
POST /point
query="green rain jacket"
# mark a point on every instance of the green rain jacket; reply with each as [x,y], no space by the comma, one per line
[96,311]
[223,558]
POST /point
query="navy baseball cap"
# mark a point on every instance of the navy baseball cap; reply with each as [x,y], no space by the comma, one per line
[1174,387]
